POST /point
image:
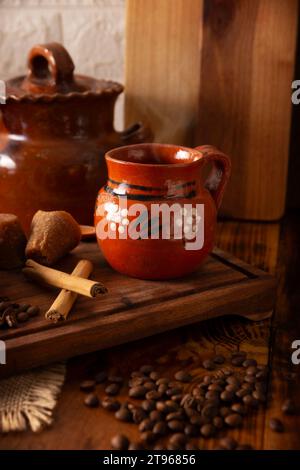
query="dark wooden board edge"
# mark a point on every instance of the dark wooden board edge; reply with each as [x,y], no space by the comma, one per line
[249,298]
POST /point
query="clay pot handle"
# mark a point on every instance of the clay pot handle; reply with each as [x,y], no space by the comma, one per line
[220,173]
[136,134]
[50,68]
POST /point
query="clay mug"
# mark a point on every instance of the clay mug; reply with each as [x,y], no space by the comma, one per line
[156,216]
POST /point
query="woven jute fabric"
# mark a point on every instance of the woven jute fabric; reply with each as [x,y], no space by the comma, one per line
[27,400]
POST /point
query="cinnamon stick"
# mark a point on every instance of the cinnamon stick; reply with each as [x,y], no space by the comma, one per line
[63,303]
[62,280]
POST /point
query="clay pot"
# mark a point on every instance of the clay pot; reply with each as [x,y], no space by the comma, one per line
[156,216]
[54,132]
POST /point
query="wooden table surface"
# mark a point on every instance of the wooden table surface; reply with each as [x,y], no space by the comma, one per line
[273,247]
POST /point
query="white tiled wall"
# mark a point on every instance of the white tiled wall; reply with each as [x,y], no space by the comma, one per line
[91,30]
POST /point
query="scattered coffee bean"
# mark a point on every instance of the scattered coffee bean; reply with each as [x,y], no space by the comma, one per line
[120,442]
[237,361]
[135,446]
[250,401]
[138,415]
[156,416]
[148,405]
[207,430]
[227,396]
[112,389]
[177,441]
[228,443]
[91,400]
[138,392]
[146,425]
[160,429]
[22,317]
[191,430]
[224,411]
[154,375]
[110,404]
[183,376]
[219,359]
[276,425]
[218,422]
[239,408]
[260,396]
[288,407]
[249,362]
[124,414]
[147,436]
[208,364]
[209,411]
[153,395]
[33,311]
[87,385]
[233,420]
[176,425]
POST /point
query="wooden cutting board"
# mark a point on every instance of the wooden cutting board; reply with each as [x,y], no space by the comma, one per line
[132,308]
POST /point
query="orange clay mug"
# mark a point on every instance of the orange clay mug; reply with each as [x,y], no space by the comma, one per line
[156,216]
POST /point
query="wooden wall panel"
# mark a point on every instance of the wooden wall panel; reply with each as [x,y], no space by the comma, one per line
[163,40]
[245,99]
[218,72]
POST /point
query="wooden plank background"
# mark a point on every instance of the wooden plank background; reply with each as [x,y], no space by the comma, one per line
[218,72]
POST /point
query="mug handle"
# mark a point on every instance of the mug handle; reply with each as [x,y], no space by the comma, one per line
[221,168]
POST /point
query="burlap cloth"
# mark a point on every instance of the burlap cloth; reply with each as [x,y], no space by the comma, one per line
[27,400]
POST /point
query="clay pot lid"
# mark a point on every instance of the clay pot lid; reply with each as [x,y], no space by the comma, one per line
[50,76]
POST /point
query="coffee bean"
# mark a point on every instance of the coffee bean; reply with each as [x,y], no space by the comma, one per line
[161,406]
[175,415]
[87,385]
[153,395]
[239,408]
[136,374]
[207,430]
[227,396]
[188,401]
[276,425]
[22,317]
[207,380]
[160,428]
[135,446]
[247,386]
[112,389]
[209,411]
[156,415]
[154,375]
[115,379]
[239,354]
[138,392]
[173,391]
[232,388]
[228,443]
[138,415]
[224,411]
[176,425]
[183,376]
[232,379]
[208,364]
[177,440]
[162,380]
[177,398]
[252,370]
[215,387]
[91,400]
[260,396]
[172,406]
[261,375]
[242,392]
[100,377]
[120,442]
[250,401]
[250,379]
[237,361]
[233,420]
[161,389]
[211,395]
[23,307]
[148,405]
[149,385]
[146,369]
[249,362]
[136,381]
[146,425]
[33,311]
[147,436]
[110,404]
[218,422]
[289,407]
[219,359]
[124,414]
[191,430]
[196,419]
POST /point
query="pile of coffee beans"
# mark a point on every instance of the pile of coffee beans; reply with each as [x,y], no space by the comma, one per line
[171,413]
[12,314]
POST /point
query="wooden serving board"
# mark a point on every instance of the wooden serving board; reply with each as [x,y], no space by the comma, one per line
[132,308]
